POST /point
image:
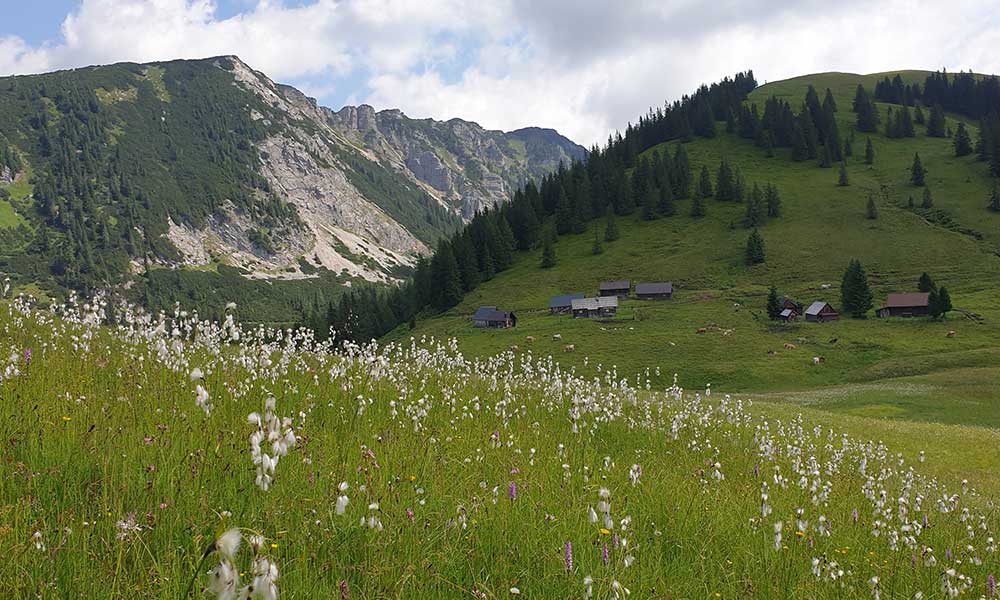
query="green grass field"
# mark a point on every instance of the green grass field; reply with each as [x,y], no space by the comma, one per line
[822,227]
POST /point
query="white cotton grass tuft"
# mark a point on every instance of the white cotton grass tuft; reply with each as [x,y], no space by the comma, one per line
[228,543]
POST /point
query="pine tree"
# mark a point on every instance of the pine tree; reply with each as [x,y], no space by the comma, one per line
[649,203]
[705,183]
[800,146]
[940,304]
[855,293]
[755,249]
[917,171]
[564,212]
[995,199]
[843,181]
[925,284]
[962,142]
[596,247]
[869,152]
[773,201]
[724,184]
[829,105]
[610,228]
[697,206]
[755,208]
[867,113]
[548,252]
[872,212]
[682,170]
[773,304]
[666,204]
[928,201]
[447,279]
[936,123]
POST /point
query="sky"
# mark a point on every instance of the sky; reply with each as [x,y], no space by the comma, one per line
[584,67]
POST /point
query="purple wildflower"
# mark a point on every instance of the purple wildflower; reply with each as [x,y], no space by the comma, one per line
[27,355]
[345,592]
[991,586]
[913,561]
[512,491]
[756,469]
[568,555]
[854,515]
[614,540]
[947,554]
[925,519]
[604,553]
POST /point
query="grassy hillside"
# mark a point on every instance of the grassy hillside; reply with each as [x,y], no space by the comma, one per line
[822,227]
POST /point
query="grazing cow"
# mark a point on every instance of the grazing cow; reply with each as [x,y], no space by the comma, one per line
[530,338]
[514,348]
[569,348]
[818,359]
[950,333]
[824,286]
[702,330]
[556,336]
[789,346]
[771,352]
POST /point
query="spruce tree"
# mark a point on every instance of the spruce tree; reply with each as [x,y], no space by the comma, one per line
[610,228]
[773,304]
[941,304]
[829,105]
[928,201]
[666,204]
[869,152]
[872,211]
[697,206]
[925,284]
[649,202]
[682,170]
[962,142]
[917,171]
[855,293]
[800,146]
[843,181]
[596,247]
[995,199]
[724,184]
[755,249]
[564,212]
[936,123]
[447,279]
[755,208]
[548,252]
[705,183]
[773,201]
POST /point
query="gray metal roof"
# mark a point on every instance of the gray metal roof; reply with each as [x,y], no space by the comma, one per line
[564,300]
[595,303]
[815,308]
[661,287]
[490,313]
[616,284]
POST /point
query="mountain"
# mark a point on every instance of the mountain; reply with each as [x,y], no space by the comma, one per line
[716,329]
[111,171]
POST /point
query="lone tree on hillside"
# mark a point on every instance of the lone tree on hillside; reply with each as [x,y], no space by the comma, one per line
[962,142]
[995,200]
[755,249]
[843,181]
[548,252]
[697,206]
[925,283]
[610,228]
[939,302]
[773,304]
[927,202]
[869,152]
[725,186]
[855,293]
[917,171]
[705,183]
[872,210]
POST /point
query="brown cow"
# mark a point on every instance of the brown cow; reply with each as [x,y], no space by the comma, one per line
[569,348]
[530,338]
[950,333]
[789,346]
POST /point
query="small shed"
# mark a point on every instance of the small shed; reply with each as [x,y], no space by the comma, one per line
[820,312]
[490,317]
[911,304]
[788,314]
[563,303]
[602,306]
[663,290]
[617,287]
[788,303]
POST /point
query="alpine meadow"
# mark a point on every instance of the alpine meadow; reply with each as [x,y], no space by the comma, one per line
[745,347]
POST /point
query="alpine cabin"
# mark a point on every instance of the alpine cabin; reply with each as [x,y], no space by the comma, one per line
[820,312]
[602,306]
[489,317]
[563,303]
[914,304]
[654,291]
[617,287]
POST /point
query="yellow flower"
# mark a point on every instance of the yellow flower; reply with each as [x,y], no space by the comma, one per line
[65,418]
[274,545]
[413,477]
[604,531]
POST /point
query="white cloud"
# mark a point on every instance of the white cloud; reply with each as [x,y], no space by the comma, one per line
[585,67]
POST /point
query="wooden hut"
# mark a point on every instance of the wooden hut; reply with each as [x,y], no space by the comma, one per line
[914,304]
[663,290]
[617,287]
[602,306]
[489,317]
[820,312]
[563,303]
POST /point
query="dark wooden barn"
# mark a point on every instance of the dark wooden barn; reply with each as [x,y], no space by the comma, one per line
[663,290]
[490,317]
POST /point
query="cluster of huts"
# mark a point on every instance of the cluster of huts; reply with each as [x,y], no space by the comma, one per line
[910,304]
[603,305]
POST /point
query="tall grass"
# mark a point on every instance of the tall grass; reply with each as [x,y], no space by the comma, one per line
[463,478]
